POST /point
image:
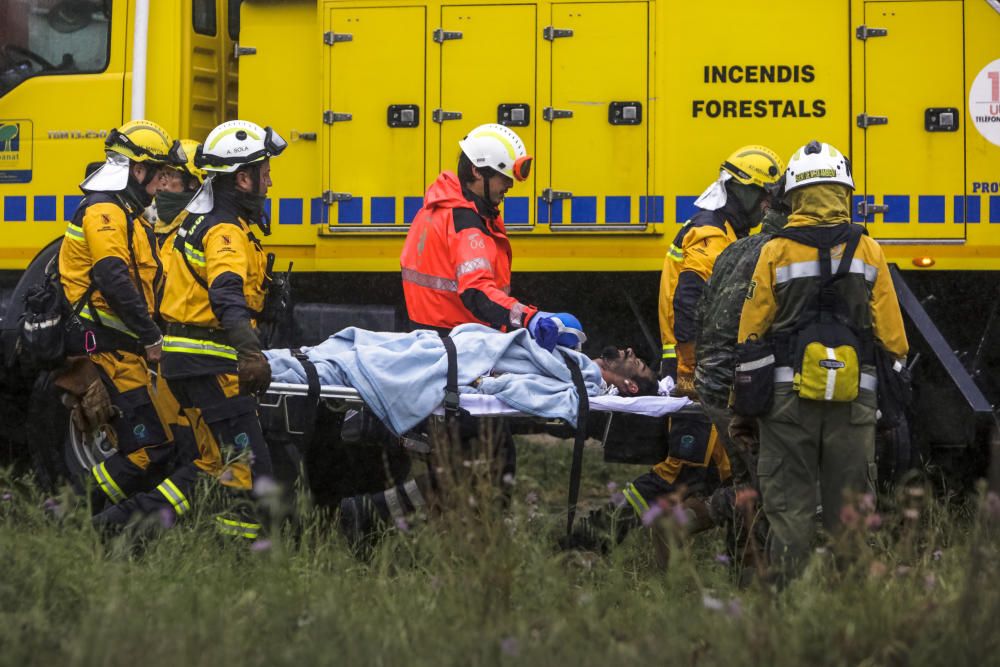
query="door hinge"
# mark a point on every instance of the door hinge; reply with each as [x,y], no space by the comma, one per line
[331,117]
[331,38]
[550,114]
[330,197]
[864,32]
[549,195]
[440,115]
[244,50]
[551,33]
[865,121]
[866,209]
[442,35]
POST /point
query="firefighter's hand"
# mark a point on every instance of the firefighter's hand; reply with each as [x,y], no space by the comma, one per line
[94,408]
[684,388]
[254,373]
[154,352]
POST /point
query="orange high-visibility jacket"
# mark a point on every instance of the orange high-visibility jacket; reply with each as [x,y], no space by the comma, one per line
[456,264]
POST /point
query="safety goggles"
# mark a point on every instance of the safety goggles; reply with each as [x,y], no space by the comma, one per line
[175,156]
[274,144]
[522,168]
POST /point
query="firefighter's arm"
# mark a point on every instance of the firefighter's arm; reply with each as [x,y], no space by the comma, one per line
[696,268]
[105,227]
[470,250]
[887,319]
[760,307]
[664,305]
[227,253]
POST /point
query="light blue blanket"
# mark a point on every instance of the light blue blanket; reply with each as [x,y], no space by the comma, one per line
[401,377]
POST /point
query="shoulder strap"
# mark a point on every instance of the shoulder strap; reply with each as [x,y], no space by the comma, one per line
[181,240]
[583,411]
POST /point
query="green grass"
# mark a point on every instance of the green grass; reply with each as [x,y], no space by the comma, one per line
[480,587]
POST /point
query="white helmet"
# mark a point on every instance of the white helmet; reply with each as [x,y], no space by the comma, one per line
[817,163]
[499,148]
[236,143]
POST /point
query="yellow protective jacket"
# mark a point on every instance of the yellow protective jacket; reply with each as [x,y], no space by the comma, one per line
[686,268]
[216,280]
[126,272]
[786,279]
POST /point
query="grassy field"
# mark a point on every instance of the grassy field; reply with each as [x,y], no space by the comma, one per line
[479,587]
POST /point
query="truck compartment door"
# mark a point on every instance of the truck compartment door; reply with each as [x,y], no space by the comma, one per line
[914,109]
[488,76]
[373,118]
[597,117]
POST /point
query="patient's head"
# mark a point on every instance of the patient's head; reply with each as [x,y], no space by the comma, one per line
[627,372]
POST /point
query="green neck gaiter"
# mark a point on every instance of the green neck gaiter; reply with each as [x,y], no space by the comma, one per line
[170,204]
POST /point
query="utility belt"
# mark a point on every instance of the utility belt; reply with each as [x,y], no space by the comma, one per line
[822,362]
[97,330]
[193,339]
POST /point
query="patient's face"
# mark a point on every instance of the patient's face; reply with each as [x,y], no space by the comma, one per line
[627,372]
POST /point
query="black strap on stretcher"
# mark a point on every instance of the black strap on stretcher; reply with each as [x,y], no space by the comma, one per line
[576,468]
[452,407]
[312,396]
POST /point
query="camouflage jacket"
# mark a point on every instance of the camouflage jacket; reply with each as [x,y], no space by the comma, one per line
[718,315]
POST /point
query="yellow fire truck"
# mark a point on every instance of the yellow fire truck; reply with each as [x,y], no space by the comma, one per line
[628,106]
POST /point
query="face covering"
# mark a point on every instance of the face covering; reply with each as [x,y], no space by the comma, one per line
[253,206]
[746,199]
[170,204]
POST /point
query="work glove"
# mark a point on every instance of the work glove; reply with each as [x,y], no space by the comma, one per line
[94,409]
[685,372]
[251,365]
[551,329]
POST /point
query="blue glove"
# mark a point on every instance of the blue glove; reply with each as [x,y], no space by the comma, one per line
[551,329]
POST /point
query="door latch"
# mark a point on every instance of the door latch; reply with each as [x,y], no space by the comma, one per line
[551,34]
[550,114]
[333,197]
[865,121]
[864,32]
[440,115]
[514,115]
[331,38]
[625,113]
[403,115]
[331,117]
[549,195]
[441,35]
[866,209]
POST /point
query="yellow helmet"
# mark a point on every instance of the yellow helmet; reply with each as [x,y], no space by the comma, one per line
[145,141]
[190,147]
[755,165]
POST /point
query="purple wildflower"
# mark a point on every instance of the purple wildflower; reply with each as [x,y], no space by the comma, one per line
[867,502]
[712,603]
[680,515]
[510,646]
[265,487]
[7,496]
[911,514]
[873,521]
[402,525]
[722,559]
[612,487]
[618,499]
[651,515]
[531,498]
[937,554]
[261,545]
[167,518]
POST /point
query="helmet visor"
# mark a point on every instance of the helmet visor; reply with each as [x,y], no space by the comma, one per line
[522,168]
[117,139]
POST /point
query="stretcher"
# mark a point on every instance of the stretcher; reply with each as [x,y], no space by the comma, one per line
[339,398]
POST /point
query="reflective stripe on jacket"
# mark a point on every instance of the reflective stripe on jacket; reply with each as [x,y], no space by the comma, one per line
[686,267]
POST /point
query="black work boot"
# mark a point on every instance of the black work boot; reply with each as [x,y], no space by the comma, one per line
[601,530]
[361,524]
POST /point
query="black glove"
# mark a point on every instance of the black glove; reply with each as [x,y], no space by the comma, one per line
[251,365]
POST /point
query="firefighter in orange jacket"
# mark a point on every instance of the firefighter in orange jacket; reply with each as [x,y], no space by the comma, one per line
[109,261]
[456,262]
